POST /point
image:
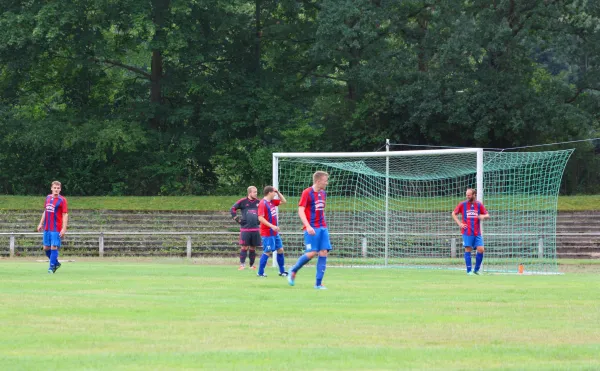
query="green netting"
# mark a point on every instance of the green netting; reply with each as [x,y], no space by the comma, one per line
[520,190]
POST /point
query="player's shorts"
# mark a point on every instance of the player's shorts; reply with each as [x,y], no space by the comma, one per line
[320,241]
[472,241]
[51,238]
[271,243]
[250,238]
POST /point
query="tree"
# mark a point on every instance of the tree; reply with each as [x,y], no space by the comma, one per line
[192,97]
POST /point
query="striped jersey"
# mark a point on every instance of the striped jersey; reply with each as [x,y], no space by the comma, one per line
[268,210]
[314,203]
[470,215]
[55,208]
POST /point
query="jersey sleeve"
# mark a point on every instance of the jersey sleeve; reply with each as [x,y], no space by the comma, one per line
[458,209]
[276,202]
[262,210]
[65,208]
[304,199]
[234,208]
[482,209]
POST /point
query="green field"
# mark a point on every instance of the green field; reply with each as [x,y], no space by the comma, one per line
[222,203]
[172,314]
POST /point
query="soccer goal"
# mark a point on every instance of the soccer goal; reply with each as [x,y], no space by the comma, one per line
[393,209]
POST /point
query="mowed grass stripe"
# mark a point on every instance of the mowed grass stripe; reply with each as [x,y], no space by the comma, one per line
[130,316]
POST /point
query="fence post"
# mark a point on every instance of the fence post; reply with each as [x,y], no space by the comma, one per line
[364,246]
[453,248]
[189,247]
[101,245]
[12,245]
[541,248]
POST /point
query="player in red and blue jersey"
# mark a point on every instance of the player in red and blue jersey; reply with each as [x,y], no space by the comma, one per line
[248,220]
[473,212]
[311,210]
[269,230]
[54,224]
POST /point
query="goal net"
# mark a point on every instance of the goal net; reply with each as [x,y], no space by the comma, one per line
[393,209]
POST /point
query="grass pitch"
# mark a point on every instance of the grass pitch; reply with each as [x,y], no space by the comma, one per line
[176,315]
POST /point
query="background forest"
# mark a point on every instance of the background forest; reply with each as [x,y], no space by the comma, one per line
[178,97]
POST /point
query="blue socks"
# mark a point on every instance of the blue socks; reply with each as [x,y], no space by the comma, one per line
[478,260]
[263,263]
[321,266]
[48,252]
[300,263]
[53,258]
[468,261]
[280,262]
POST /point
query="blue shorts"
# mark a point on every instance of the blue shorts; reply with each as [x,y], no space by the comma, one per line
[272,243]
[51,238]
[320,241]
[472,241]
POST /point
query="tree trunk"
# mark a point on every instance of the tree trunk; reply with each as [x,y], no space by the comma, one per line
[156,77]
[160,9]
[257,38]
[354,64]
[421,55]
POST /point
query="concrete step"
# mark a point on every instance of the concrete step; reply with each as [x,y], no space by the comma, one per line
[146,220]
[579,242]
[562,248]
[591,244]
[144,228]
[577,222]
[100,216]
[84,221]
[577,255]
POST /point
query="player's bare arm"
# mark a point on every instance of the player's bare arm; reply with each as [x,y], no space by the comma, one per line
[460,224]
[264,221]
[305,222]
[484,216]
[281,198]
[41,225]
[63,231]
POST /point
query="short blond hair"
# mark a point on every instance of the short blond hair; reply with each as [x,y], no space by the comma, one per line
[56,182]
[251,188]
[318,175]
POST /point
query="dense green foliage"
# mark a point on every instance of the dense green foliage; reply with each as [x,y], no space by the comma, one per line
[172,97]
[108,315]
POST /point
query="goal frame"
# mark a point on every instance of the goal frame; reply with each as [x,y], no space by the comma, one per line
[387,155]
